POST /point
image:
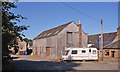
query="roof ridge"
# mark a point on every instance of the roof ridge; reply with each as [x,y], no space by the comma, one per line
[103,33]
[58,26]
[54,28]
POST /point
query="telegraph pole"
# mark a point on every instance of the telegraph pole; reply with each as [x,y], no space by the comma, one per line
[101,44]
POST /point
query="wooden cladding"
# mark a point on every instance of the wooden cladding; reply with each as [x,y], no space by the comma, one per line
[80,36]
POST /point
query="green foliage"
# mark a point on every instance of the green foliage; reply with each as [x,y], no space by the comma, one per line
[27,40]
[10,29]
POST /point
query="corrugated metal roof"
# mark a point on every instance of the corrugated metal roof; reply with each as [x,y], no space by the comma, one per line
[52,32]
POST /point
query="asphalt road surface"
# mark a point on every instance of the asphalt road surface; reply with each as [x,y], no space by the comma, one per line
[22,62]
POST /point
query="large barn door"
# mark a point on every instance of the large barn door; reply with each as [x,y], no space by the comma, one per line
[48,51]
[69,39]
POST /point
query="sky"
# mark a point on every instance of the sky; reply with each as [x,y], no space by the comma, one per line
[42,16]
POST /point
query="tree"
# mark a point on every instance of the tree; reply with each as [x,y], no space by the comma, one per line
[10,29]
[27,40]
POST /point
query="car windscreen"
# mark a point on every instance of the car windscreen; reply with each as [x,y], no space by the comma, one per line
[66,52]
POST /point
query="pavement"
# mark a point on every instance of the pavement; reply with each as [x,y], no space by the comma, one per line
[22,62]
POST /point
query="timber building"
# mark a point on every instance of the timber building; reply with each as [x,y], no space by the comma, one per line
[52,43]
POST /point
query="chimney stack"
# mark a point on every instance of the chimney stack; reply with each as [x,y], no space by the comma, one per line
[80,35]
[118,32]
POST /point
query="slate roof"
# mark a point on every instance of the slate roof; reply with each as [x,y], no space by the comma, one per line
[52,32]
[107,38]
[115,44]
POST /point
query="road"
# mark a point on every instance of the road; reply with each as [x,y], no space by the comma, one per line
[21,62]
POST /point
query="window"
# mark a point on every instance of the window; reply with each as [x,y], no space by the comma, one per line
[83,51]
[44,35]
[74,51]
[106,52]
[94,51]
[66,52]
[49,34]
[56,32]
[41,36]
[21,48]
[89,50]
[113,53]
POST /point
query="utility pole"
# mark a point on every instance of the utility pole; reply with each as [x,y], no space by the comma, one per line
[101,43]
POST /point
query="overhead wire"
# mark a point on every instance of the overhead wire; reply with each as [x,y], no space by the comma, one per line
[80,11]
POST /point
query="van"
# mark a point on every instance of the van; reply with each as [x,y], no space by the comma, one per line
[80,54]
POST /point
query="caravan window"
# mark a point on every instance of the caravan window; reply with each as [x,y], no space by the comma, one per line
[66,52]
[89,50]
[74,51]
[83,51]
[94,51]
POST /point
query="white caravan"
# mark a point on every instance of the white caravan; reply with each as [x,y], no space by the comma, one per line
[80,54]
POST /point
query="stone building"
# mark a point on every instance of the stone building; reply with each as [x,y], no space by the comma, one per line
[111,44]
[20,48]
[52,43]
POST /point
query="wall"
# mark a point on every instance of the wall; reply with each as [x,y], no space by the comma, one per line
[40,44]
[110,58]
[22,46]
[62,41]
[84,40]
[51,42]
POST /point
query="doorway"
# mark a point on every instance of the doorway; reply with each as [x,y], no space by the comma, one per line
[36,50]
[113,53]
[48,51]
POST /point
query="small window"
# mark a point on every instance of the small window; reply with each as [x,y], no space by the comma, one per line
[89,50]
[83,51]
[41,36]
[49,34]
[56,32]
[21,48]
[113,53]
[94,51]
[44,34]
[106,52]
[74,51]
